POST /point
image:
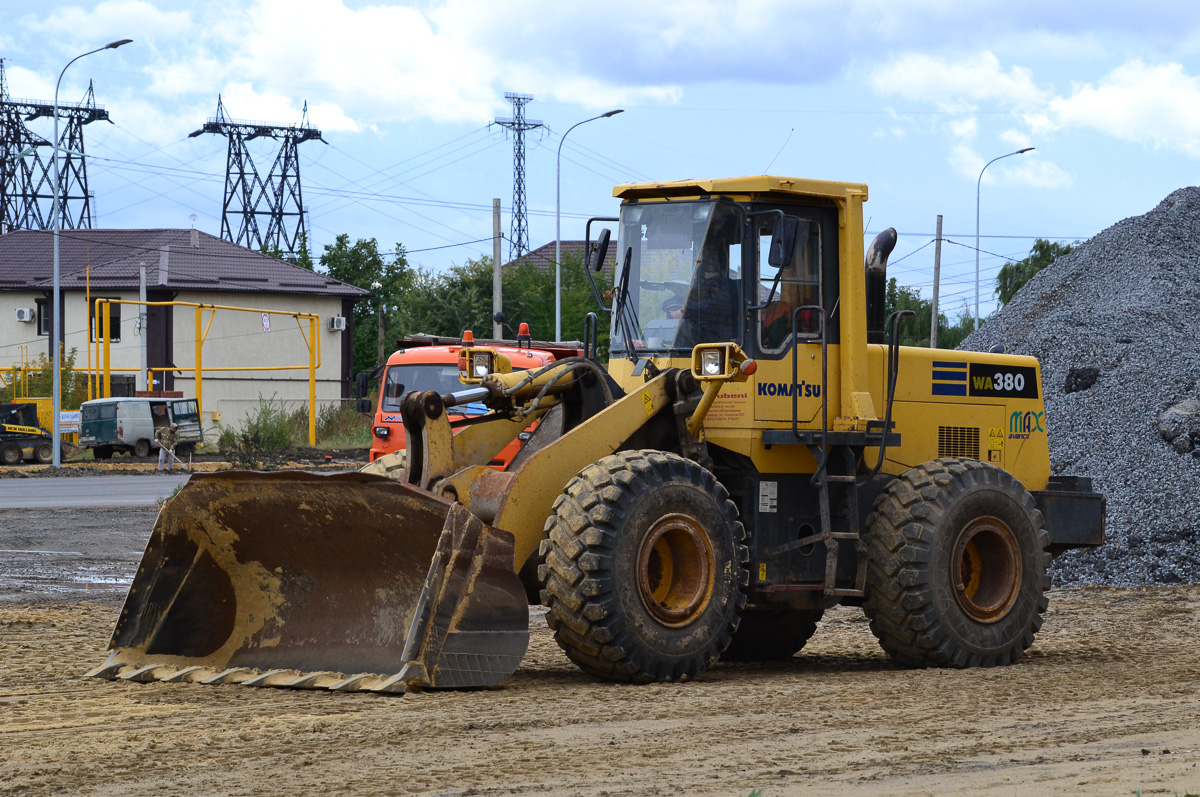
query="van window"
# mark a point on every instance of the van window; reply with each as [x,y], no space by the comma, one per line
[184,407]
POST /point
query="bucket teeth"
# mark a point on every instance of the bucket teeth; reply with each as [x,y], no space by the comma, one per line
[355,683]
[108,670]
[143,674]
[225,676]
[184,675]
[310,680]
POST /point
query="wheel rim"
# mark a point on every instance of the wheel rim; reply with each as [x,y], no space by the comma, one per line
[986,568]
[675,570]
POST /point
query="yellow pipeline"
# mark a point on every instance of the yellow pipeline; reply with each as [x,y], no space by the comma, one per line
[312,341]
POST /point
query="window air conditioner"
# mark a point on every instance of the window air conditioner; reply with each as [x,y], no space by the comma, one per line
[25,314]
[337,323]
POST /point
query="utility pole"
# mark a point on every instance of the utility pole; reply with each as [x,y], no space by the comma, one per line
[937,275]
[143,381]
[519,241]
[497,283]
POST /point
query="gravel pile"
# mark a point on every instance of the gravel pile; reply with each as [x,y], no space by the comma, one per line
[1123,311]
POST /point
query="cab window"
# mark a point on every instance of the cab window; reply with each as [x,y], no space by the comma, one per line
[782,291]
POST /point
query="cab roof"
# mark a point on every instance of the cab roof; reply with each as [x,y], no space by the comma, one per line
[758,186]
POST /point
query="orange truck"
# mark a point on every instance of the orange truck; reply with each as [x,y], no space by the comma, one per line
[429,362]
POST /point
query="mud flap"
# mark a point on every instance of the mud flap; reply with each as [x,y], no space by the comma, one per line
[347,582]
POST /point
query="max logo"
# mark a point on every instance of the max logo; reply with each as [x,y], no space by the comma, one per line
[783,389]
[392,419]
[1021,424]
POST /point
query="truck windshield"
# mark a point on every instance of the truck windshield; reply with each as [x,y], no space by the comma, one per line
[684,280]
[400,379]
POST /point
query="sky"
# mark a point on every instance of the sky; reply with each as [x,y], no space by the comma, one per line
[912,98]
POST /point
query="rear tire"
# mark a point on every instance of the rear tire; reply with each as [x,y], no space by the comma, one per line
[43,453]
[141,449]
[11,454]
[958,568]
[772,635]
[184,450]
[645,565]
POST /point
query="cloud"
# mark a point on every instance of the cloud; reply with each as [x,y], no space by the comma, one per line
[75,28]
[1156,104]
[960,85]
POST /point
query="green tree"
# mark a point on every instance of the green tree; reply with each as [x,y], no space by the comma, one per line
[302,259]
[1013,276]
[461,298]
[362,265]
[529,297]
[914,331]
[40,381]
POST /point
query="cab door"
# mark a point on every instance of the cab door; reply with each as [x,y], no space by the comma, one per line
[778,325]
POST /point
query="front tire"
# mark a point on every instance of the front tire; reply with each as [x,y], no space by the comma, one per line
[958,568]
[645,563]
[11,454]
[43,453]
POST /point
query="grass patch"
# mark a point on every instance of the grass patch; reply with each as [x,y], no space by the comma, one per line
[269,431]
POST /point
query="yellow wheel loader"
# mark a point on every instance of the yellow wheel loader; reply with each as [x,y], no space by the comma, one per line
[755,452]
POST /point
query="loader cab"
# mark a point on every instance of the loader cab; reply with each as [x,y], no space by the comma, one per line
[703,270]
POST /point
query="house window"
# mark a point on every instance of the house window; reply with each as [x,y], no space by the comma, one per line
[43,317]
[97,321]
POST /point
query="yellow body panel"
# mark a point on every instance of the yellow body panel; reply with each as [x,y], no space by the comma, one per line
[930,425]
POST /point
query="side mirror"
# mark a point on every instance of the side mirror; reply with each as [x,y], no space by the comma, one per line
[360,385]
[783,242]
[601,249]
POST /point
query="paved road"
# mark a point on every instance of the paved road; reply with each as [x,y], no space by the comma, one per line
[86,491]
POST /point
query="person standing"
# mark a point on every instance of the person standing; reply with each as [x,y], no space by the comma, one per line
[167,436]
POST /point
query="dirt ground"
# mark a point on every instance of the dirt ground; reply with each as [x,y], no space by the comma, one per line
[1106,702]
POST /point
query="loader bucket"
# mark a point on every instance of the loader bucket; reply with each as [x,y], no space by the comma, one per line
[347,582]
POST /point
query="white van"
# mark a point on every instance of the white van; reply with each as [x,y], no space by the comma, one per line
[110,425]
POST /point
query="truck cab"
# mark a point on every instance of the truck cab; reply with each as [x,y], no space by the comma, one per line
[428,362]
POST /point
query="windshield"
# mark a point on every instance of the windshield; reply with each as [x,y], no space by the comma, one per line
[681,264]
[400,379]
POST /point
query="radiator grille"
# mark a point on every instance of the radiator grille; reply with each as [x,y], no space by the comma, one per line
[958,441]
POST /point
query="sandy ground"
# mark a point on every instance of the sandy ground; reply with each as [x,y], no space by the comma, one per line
[1106,702]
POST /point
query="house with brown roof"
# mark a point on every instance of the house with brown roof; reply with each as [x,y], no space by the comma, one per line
[571,251]
[182,266]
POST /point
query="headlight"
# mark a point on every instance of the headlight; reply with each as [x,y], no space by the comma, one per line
[710,362]
[382,431]
[481,365]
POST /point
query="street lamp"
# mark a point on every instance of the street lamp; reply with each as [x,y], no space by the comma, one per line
[558,224]
[977,184]
[56,332]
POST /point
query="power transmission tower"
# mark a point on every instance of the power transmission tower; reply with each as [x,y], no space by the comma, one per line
[519,237]
[27,174]
[248,197]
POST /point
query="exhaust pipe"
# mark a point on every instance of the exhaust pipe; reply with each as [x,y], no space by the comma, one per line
[877,256]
